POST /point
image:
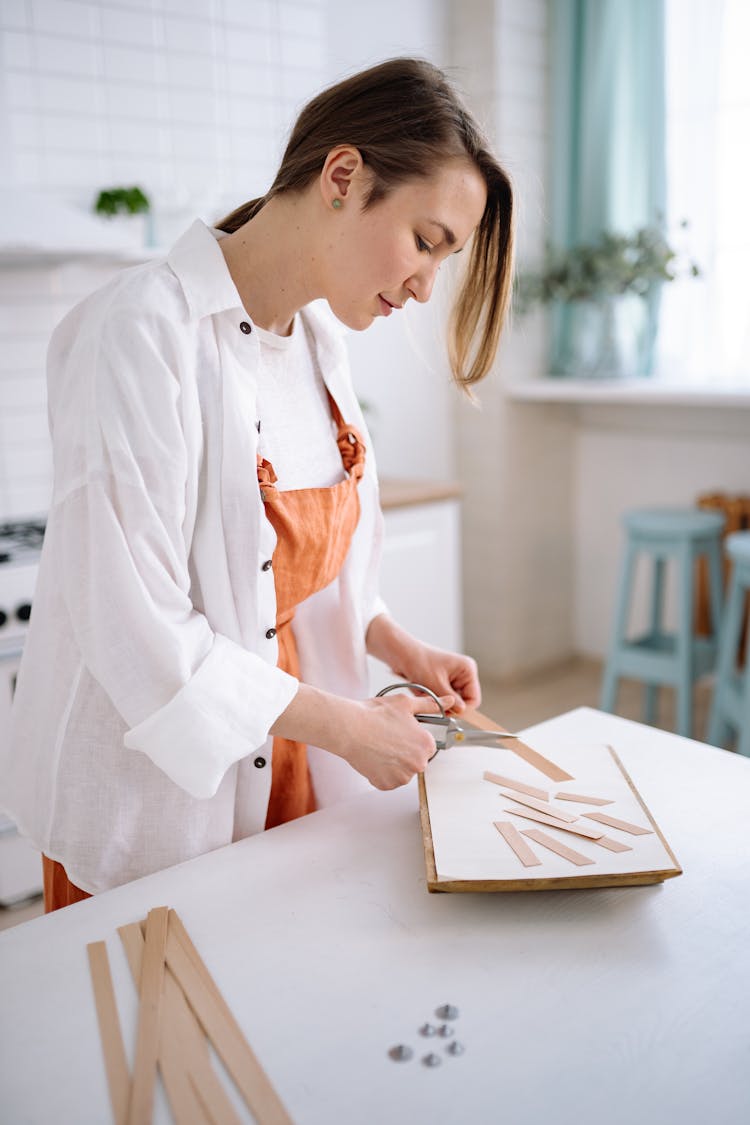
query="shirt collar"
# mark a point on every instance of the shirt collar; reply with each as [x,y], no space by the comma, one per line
[198,263]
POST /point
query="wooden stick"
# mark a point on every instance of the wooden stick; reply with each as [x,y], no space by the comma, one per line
[612,845]
[533,757]
[546,841]
[149,1018]
[515,840]
[177,1061]
[578,829]
[613,822]
[115,1060]
[540,806]
[583,800]
[519,786]
[222,1028]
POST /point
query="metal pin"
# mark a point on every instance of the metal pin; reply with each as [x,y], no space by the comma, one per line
[447,1012]
[427,1030]
[455,1048]
[432,1060]
[401,1053]
[445,1031]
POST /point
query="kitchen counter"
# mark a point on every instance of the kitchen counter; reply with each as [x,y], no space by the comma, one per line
[614,1006]
[396,493]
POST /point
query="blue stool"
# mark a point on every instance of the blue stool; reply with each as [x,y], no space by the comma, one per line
[731,702]
[657,657]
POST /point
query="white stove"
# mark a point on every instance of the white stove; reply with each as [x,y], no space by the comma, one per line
[20,546]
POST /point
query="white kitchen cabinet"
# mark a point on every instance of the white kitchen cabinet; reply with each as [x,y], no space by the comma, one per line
[420,577]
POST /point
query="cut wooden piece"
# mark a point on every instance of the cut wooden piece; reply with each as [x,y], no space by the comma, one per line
[194,1089]
[613,822]
[546,841]
[578,829]
[222,1028]
[516,841]
[115,1059]
[149,1017]
[533,757]
[540,806]
[519,786]
[612,845]
[583,800]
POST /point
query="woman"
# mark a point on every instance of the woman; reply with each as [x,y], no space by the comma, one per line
[214,484]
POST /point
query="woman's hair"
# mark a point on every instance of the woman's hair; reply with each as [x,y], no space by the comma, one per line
[406,120]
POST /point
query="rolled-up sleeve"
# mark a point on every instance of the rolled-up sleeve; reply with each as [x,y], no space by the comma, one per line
[193,700]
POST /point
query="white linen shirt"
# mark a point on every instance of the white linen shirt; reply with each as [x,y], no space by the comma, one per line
[149,682]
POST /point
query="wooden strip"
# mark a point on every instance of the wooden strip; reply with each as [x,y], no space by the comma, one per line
[519,786]
[113,1047]
[427,842]
[194,1090]
[578,829]
[533,757]
[222,1028]
[149,1017]
[623,825]
[513,837]
[666,873]
[546,841]
[583,800]
[540,806]
[612,845]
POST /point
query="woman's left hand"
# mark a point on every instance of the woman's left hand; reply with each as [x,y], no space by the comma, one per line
[445,673]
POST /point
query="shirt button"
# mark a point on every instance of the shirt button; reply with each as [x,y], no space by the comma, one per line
[259,763]
[245,327]
[270,634]
[267,565]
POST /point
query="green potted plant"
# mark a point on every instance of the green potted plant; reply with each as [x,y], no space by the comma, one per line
[127,206]
[606,287]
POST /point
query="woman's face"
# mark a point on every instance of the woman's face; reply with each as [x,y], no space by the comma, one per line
[377,260]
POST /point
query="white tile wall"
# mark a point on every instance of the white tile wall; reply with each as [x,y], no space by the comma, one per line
[191,99]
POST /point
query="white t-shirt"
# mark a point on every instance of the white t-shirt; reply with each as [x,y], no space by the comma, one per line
[297,432]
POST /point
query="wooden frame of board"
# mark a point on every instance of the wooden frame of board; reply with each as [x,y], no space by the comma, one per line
[567,882]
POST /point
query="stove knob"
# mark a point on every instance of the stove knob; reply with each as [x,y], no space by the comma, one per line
[3,617]
[23,611]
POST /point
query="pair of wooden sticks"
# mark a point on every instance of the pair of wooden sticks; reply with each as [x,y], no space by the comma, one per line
[180,1011]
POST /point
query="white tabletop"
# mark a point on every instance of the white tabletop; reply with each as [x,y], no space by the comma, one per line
[605,1006]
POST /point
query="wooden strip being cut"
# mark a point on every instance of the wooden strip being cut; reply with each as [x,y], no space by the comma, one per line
[516,841]
[623,825]
[540,806]
[546,841]
[578,829]
[222,1028]
[149,1017]
[518,786]
[115,1059]
[533,757]
[612,845]
[583,800]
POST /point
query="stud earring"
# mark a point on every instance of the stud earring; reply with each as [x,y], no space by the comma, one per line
[336,203]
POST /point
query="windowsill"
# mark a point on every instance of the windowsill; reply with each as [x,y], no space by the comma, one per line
[636,392]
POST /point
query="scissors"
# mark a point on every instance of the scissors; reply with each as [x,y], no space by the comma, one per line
[454,731]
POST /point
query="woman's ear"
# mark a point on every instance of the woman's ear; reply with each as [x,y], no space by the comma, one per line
[343,167]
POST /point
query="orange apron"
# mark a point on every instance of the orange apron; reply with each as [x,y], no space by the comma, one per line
[314,528]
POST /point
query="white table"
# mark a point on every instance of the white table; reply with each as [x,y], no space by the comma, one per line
[627,1005]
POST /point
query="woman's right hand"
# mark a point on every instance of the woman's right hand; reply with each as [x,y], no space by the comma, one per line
[384,742]
[380,738]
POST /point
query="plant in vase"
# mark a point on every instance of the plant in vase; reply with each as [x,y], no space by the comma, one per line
[602,295]
[129,206]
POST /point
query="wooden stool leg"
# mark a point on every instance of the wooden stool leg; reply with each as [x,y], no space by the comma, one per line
[608,698]
[685,642]
[651,691]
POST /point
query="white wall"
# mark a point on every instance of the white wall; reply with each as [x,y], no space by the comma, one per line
[191,99]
